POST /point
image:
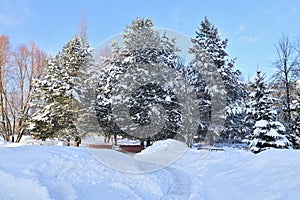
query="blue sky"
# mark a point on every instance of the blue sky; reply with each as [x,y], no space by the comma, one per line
[252,27]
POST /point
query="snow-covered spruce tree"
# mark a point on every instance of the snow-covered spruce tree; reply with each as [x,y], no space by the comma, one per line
[209,85]
[294,135]
[208,39]
[142,46]
[42,123]
[59,96]
[86,83]
[267,132]
[248,121]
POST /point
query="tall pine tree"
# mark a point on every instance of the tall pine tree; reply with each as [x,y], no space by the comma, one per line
[143,46]
[208,40]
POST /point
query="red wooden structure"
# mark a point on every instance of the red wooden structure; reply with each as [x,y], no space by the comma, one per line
[100,146]
[131,148]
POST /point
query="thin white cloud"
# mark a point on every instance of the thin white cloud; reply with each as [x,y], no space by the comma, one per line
[272,10]
[176,17]
[249,39]
[286,16]
[13,13]
[282,11]
[242,27]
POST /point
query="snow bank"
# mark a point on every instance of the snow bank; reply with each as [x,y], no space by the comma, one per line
[155,157]
[59,172]
[160,154]
[164,145]
[272,174]
[21,188]
[54,172]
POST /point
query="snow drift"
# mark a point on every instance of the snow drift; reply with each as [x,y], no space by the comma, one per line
[59,172]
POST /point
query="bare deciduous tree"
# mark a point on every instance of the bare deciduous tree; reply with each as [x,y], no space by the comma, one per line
[18,69]
[4,60]
[82,28]
[30,62]
[286,67]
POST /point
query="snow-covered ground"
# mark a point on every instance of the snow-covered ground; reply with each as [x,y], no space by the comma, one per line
[60,172]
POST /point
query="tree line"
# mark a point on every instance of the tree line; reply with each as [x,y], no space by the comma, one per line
[62,96]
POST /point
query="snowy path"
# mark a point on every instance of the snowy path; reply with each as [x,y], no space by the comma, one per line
[180,186]
[187,176]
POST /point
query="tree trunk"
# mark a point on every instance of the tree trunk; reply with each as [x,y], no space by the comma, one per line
[20,134]
[148,143]
[107,137]
[115,140]
[288,101]
[68,141]
[142,143]
[77,142]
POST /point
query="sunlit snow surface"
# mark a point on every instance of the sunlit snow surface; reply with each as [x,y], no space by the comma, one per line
[60,172]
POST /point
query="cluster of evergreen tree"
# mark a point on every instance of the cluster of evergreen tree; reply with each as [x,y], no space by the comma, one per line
[252,120]
[143,45]
[65,99]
